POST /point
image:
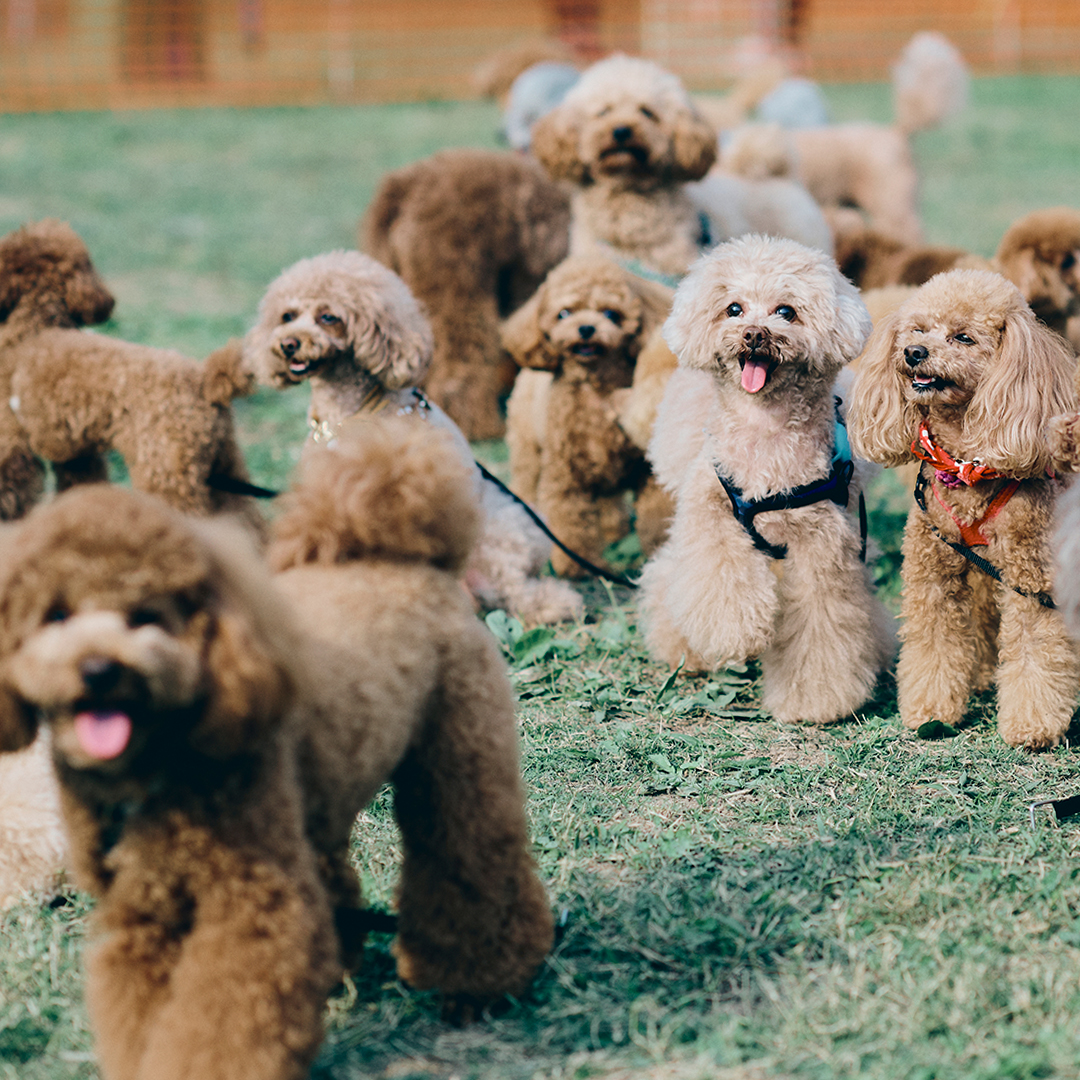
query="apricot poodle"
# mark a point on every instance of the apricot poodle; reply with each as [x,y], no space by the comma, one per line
[580,335]
[630,139]
[1065,454]
[472,233]
[216,731]
[351,328]
[765,556]
[73,395]
[964,378]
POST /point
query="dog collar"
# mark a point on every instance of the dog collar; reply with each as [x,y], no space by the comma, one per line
[377,401]
[947,469]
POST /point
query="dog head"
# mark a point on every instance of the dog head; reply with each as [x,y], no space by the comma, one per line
[588,312]
[1040,255]
[138,636]
[45,271]
[965,353]
[340,308]
[628,122]
[765,315]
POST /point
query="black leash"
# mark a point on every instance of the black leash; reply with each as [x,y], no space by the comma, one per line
[584,563]
[973,557]
[232,485]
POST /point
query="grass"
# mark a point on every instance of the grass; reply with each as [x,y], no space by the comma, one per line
[739,899]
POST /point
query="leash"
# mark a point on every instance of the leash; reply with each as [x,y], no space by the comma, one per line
[973,557]
[232,485]
[597,571]
[833,487]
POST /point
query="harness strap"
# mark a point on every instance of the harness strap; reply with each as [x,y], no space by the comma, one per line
[973,557]
[972,534]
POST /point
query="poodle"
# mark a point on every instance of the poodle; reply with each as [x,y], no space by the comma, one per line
[352,329]
[965,379]
[630,139]
[472,233]
[568,454]
[217,729]
[750,443]
[73,395]
[1065,454]
[1040,255]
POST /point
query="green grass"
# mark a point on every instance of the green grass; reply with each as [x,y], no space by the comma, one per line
[740,899]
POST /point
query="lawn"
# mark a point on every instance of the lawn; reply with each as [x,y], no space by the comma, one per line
[737,898]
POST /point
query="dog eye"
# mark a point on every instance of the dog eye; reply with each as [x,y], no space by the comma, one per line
[1069,261]
[328,318]
[646,111]
[145,616]
[56,613]
[786,312]
[964,339]
[564,314]
[288,316]
[733,311]
[614,316]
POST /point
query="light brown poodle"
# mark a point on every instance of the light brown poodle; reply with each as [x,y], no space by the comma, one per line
[72,395]
[749,443]
[216,732]
[351,328]
[630,140]
[1065,454]
[472,233]
[965,378]
[568,454]
[1040,255]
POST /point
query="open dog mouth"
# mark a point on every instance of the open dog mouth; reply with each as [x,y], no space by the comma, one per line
[587,349]
[638,154]
[757,369]
[103,734]
[301,368]
[924,383]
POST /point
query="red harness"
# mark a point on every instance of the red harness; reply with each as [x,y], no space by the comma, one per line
[952,473]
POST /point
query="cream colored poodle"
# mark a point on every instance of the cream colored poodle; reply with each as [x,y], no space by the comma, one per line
[217,729]
[351,328]
[765,553]
[629,138]
[964,378]
[580,336]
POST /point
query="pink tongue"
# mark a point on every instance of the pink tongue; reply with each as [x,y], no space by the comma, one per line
[754,375]
[103,735]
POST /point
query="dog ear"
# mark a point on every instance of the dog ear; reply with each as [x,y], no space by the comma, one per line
[388,328]
[524,339]
[1031,380]
[852,325]
[656,306]
[86,298]
[880,421]
[555,140]
[694,146]
[18,727]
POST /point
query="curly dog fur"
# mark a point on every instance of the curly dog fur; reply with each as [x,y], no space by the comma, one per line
[762,328]
[216,731]
[966,356]
[568,454]
[351,327]
[472,233]
[74,395]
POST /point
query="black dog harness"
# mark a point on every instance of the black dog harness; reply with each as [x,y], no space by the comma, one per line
[833,488]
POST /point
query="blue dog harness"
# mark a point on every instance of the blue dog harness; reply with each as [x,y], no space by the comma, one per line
[833,488]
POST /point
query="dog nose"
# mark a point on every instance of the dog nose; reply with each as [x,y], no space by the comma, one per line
[586,332]
[100,674]
[915,354]
[754,338]
[622,134]
[289,346]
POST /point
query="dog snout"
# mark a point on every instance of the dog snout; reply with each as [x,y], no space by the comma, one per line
[586,332]
[289,347]
[915,355]
[755,338]
[623,133]
[100,674]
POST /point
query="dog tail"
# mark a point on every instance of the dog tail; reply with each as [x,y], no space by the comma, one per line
[392,488]
[382,212]
[930,83]
[224,376]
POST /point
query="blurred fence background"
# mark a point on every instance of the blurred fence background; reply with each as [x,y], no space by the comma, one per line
[92,54]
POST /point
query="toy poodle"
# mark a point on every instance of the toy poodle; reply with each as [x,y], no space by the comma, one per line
[216,731]
[351,328]
[472,233]
[73,395]
[964,378]
[630,139]
[765,556]
[568,454]
[1065,455]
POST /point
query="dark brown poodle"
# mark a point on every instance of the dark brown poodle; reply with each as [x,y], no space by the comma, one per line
[72,395]
[472,233]
[216,732]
